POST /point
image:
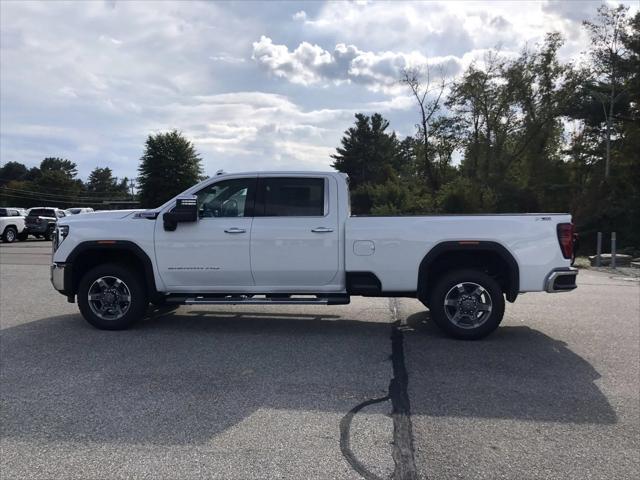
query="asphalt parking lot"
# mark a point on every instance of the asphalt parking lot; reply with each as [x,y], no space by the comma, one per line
[367,390]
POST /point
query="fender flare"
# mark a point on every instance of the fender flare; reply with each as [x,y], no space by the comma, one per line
[465,246]
[96,246]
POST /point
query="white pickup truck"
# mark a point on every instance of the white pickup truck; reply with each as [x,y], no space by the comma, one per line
[289,238]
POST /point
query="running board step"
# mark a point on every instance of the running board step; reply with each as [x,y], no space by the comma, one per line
[267,301]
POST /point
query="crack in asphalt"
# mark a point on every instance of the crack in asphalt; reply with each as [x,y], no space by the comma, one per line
[345,439]
[403,448]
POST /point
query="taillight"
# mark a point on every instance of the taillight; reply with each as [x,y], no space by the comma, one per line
[565,237]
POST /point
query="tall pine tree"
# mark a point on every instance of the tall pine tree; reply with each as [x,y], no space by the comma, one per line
[170,165]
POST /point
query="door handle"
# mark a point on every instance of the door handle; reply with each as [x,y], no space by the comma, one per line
[322,230]
[234,230]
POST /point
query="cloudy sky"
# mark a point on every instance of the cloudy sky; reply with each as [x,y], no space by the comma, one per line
[253,85]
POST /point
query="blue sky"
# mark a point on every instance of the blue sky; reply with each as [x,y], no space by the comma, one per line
[254,85]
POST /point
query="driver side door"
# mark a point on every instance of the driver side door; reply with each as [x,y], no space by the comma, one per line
[211,254]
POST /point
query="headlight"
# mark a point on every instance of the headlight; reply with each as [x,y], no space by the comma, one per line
[59,234]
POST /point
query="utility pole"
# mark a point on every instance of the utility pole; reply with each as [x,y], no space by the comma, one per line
[132,186]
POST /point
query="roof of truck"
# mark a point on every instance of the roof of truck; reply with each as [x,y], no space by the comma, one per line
[284,172]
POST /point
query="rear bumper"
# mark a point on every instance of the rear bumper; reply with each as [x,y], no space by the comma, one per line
[40,229]
[561,280]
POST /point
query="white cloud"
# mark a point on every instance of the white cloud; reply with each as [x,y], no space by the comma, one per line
[226,58]
[441,28]
[309,64]
[300,15]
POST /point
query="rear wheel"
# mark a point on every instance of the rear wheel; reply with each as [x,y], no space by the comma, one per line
[9,235]
[112,297]
[467,304]
[22,236]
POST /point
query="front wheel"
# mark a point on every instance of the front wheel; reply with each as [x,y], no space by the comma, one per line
[24,235]
[112,297]
[467,304]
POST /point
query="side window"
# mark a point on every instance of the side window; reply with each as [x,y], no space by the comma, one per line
[227,198]
[293,197]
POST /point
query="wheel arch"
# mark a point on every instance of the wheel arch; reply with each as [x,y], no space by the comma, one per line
[480,254]
[87,255]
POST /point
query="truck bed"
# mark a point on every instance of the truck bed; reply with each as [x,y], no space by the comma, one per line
[393,247]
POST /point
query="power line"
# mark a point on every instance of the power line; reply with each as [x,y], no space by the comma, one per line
[55,195]
[49,200]
[51,188]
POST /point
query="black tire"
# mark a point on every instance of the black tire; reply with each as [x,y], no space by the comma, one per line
[439,312]
[135,285]
[10,234]
[49,233]
[22,236]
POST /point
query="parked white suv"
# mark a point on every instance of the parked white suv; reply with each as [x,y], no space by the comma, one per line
[12,225]
[288,237]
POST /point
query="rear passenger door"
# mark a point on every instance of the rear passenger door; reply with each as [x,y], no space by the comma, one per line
[294,238]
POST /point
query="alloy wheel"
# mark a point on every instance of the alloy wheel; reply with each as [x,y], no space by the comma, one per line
[109,298]
[468,305]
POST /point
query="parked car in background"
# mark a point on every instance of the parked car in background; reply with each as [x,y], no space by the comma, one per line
[12,224]
[77,210]
[41,221]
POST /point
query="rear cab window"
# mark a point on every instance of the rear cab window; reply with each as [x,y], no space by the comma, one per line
[291,197]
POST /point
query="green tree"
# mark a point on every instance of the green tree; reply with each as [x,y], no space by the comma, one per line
[169,165]
[12,171]
[507,118]
[428,97]
[604,161]
[608,51]
[59,166]
[101,180]
[57,182]
[366,150]
[629,158]
[368,155]
[481,101]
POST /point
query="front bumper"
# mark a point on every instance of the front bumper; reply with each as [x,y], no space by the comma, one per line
[561,280]
[57,276]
